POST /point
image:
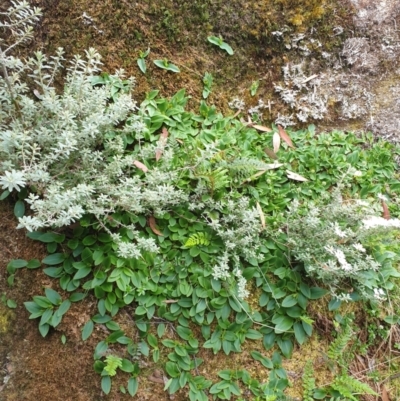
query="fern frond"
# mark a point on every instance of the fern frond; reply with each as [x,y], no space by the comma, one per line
[308,382]
[215,179]
[198,239]
[336,349]
[112,364]
[348,386]
[173,144]
[243,167]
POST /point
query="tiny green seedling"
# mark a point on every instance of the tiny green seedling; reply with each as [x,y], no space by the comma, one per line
[218,41]
[141,62]
[254,87]
[207,81]
[166,65]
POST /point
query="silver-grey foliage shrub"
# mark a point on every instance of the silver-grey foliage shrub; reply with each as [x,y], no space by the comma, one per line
[67,145]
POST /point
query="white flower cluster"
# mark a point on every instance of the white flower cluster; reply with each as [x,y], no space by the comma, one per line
[376,221]
[340,256]
[221,271]
[239,226]
[241,283]
[329,239]
[13,180]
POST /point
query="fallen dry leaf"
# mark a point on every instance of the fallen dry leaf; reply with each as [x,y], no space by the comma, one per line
[261,128]
[271,153]
[385,395]
[276,141]
[262,216]
[153,226]
[162,142]
[156,377]
[261,172]
[385,214]
[285,136]
[141,166]
[295,176]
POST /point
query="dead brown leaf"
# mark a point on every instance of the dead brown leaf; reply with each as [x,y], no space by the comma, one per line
[386,213]
[271,153]
[153,226]
[141,166]
[285,137]
[162,142]
[385,394]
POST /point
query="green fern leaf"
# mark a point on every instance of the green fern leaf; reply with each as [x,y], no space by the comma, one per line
[308,382]
[336,349]
[112,364]
[348,386]
[197,239]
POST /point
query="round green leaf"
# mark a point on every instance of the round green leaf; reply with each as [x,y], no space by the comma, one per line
[4,194]
[54,259]
[19,209]
[133,386]
[284,324]
[299,333]
[286,347]
[127,366]
[81,273]
[87,330]
[51,237]
[53,296]
[33,264]
[289,301]
[141,62]
[11,303]
[106,384]
[44,329]
[77,296]
[64,307]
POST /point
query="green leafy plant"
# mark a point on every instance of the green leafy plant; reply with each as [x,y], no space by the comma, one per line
[118,86]
[218,41]
[198,239]
[44,307]
[207,81]
[141,61]
[181,217]
[254,87]
[166,65]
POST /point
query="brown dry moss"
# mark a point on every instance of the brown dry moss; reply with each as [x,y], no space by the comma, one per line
[178,30]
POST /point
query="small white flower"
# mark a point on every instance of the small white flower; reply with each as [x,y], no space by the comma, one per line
[379,294]
[30,223]
[344,297]
[362,203]
[357,173]
[338,231]
[12,180]
[241,284]
[359,247]
[330,249]
[381,197]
